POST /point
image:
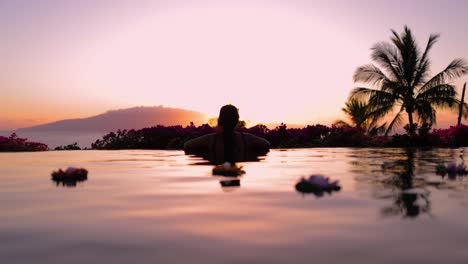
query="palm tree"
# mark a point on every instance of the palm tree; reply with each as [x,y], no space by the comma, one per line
[400,79]
[360,114]
[357,112]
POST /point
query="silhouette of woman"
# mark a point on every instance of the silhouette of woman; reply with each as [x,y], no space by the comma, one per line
[228,145]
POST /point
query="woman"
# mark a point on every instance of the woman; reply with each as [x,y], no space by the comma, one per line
[228,145]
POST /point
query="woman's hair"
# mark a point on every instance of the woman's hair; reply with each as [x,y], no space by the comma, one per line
[228,119]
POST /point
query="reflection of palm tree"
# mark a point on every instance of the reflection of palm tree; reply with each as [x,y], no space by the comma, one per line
[404,201]
[401,79]
[406,204]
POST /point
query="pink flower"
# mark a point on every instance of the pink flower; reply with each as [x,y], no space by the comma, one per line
[461,167]
[71,170]
[321,182]
[452,167]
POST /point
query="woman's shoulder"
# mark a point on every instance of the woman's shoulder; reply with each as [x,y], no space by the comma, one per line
[255,141]
[208,136]
[250,135]
[199,143]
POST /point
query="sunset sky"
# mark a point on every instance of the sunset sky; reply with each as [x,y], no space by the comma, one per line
[278,61]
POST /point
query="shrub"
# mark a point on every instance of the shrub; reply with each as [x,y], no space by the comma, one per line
[73,146]
[174,137]
[15,144]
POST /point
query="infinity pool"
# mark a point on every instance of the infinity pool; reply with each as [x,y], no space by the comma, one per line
[144,206]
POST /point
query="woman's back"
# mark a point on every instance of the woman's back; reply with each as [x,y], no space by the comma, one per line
[245,147]
[228,145]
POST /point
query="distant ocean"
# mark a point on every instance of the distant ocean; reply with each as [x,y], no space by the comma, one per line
[54,139]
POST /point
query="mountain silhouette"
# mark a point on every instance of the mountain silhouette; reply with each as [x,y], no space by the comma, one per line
[130,118]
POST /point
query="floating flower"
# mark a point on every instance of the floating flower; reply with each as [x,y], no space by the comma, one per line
[228,169]
[317,184]
[70,177]
[451,169]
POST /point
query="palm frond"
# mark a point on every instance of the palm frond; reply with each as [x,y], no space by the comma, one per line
[387,57]
[363,93]
[341,123]
[395,121]
[441,96]
[370,74]
[409,55]
[383,99]
[375,130]
[441,90]
[380,103]
[380,111]
[357,111]
[396,39]
[455,69]
[426,112]
[424,63]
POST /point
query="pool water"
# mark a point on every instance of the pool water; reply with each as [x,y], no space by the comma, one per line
[143,206]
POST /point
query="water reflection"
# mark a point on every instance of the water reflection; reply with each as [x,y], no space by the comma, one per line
[209,158]
[230,175]
[397,180]
[67,182]
[229,185]
[410,196]
[453,169]
[229,181]
[408,204]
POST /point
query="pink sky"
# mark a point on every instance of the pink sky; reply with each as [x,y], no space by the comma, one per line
[278,61]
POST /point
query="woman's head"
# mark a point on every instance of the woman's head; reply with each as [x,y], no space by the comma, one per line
[228,117]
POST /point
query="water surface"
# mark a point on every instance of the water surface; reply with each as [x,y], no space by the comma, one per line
[143,206]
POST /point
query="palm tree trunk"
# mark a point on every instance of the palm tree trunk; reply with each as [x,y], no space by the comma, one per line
[462,102]
[411,131]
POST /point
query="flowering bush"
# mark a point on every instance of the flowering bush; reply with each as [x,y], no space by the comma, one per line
[158,137]
[14,143]
[347,137]
[455,136]
[174,137]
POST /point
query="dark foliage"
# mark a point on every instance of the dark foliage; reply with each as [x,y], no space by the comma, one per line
[73,146]
[15,144]
[174,137]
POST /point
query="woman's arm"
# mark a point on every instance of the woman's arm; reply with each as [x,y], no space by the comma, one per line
[198,145]
[258,144]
